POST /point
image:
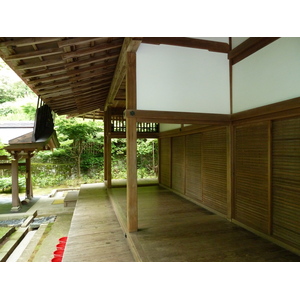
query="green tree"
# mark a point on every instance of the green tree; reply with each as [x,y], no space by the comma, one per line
[29,109]
[11,87]
[3,152]
[75,136]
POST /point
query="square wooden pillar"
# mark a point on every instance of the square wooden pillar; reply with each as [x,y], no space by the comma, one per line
[131,137]
[16,204]
[29,193]
[107,147]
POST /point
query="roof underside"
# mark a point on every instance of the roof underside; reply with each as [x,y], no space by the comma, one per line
[72,75]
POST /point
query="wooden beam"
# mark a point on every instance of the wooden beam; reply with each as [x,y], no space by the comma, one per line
[40,64]
[5,157]
[131,45]
[131,136]
[93,50]
[177,117]
[22,42]
[91,60]
[248,47]
[78,41]
[87,75]
[33,54]
[7,166]
[65,72]
[47,79]
[188,42]
[287,108]
[50,72]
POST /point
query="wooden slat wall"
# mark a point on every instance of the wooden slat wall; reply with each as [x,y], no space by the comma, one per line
[165,161]
[193,166]
[178,164]
[286,180]
[251,194]
[214,169]
[264,187]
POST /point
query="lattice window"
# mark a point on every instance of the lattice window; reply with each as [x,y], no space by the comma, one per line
[118,124]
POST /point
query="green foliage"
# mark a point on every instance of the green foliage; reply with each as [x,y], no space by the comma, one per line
[3,152]
[75,135]
[29,109]
[4,111]
[10,90]
[6,184]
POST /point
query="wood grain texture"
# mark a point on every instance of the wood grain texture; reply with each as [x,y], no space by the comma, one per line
[251,175]
[214,170]
[165,161]
[286,178]
[95,234]
[172,229]
[178,164]
[193,176]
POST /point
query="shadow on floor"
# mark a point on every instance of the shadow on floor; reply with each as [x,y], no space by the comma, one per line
[5,206]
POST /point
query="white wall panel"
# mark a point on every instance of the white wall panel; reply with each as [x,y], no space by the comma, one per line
[268,76]
[182,79]
[235,41]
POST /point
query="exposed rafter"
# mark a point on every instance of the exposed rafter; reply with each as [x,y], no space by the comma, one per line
[248,47]
[129,45]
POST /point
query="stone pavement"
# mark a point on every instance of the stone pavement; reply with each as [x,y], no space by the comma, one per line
[43,243]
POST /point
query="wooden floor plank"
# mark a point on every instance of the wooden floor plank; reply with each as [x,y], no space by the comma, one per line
[174,229]
[95,234]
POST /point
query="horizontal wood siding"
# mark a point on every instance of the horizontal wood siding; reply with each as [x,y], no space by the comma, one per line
[165,161]
[178,164]
[286,180]
[193,166]
[251,195]
[214,170]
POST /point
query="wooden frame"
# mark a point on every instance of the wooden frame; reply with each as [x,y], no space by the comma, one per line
[129,45]
[131,136]
[188,42]
[248,47]
[177,117]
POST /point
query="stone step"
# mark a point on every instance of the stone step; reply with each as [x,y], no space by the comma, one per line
[11,244]
[2,239]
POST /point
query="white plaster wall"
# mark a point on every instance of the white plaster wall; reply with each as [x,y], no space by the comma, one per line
[171,78]
[235,41]
[166,127]
[268,76]
[214,39]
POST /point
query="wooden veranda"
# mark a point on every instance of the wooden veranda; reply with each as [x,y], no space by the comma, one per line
[234,149]
[171,229]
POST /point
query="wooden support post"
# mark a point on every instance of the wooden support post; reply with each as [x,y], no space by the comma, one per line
[229,172]
[107,147]
[131,136]
[270,168]
[29,193]
[15,183]
[105,141]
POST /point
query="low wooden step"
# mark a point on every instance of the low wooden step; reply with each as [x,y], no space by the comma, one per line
[71,199]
